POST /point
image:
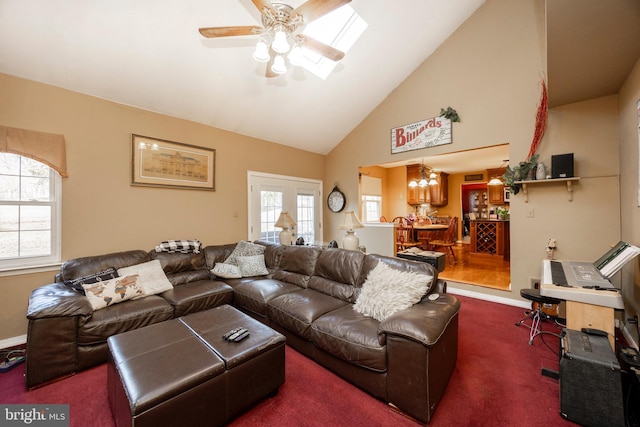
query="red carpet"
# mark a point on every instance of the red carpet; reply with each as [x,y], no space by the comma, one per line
[497,382]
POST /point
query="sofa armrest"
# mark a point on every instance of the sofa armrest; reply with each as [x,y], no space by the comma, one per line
[425,322]
[57,300]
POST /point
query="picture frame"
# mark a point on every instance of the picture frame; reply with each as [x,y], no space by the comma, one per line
[169,164]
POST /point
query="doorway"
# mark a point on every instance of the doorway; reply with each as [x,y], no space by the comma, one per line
[269,195]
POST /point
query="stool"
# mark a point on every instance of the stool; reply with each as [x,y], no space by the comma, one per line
[541,308]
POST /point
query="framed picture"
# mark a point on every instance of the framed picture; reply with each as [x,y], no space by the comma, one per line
[168,164]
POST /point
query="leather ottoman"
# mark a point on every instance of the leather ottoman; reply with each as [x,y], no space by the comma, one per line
[182,372]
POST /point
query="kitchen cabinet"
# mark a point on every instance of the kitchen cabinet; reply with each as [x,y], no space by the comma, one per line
[436,195]
[496,192]
[440,193]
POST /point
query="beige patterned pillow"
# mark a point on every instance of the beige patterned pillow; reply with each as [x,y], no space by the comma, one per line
[226,271]
[244,248]
[108,292]
[252,266]
[152,278]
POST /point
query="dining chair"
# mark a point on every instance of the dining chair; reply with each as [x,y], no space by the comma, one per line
[404,234]
[449,239]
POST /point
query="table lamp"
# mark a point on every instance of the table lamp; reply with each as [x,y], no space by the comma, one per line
[350,240]
[285,222]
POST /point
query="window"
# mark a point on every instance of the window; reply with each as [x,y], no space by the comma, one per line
[371,208]
[306,217]
[270,208]
[30,194]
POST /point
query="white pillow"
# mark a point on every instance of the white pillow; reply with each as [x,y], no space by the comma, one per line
[244,248]
[387,291]
[108,292]
[152,278]
[226,271]
[252,266]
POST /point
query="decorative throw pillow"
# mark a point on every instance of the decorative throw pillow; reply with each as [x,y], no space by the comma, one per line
[387,291]
[76,284]
[108,292]
[252,266]
[226,271]
[244,249]
[152,278]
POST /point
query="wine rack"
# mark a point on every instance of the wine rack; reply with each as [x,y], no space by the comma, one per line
[486,237]
[490,238]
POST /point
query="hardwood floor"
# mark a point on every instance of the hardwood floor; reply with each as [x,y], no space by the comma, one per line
[491,272]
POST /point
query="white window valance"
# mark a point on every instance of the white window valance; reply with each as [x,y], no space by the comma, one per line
[47,148]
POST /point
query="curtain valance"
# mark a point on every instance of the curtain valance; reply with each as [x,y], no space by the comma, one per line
[47,148]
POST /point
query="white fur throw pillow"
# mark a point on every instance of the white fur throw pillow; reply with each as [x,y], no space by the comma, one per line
[387,291]
[108,292]
[152,278]
[226,271]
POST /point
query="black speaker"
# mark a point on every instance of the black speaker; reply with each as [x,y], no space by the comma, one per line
[590,381]
[562,166]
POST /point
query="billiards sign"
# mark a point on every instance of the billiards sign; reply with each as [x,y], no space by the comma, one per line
[423,134]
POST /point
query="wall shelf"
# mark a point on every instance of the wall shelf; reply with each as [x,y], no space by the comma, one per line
[526,184]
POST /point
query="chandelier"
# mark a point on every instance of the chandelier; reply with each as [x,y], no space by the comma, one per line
[423,182]
[279,37]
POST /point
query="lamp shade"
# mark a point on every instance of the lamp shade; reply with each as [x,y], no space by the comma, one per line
[285,221]
[350,221]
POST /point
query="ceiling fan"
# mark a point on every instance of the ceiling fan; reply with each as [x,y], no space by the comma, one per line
[282,25]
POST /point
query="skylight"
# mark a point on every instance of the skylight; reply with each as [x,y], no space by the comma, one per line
[339,29]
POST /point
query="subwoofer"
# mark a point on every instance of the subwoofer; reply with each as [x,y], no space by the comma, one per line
[562,166]
[590,381]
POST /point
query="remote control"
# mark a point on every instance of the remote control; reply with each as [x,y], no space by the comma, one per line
[241,336]
[237,334]
[231,332]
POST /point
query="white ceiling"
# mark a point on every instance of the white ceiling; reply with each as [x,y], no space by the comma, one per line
[149,54]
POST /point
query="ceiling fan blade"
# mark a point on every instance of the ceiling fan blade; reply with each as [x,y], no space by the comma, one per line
[230,31]
[323,49]
[314,9]
[261,4]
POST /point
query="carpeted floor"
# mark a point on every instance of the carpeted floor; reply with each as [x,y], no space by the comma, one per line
[497,382]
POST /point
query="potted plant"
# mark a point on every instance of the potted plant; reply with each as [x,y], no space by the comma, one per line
[520,172]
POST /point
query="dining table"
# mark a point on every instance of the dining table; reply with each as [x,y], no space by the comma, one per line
[425,232]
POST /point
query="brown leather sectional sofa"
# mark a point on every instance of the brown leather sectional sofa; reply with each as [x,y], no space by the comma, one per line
[406,360]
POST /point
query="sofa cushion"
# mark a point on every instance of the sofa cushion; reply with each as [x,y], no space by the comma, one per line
[114,291]
[336,273]
[85,266]
[198,296]
[350,336]
[120,318]
[151,277]
[387,291]
[297,264]
[251,266]
[254,295]
[296,311]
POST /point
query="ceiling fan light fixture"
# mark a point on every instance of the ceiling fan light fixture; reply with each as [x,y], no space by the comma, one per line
[262,52]
[295,56]
[278,66]
[280,43]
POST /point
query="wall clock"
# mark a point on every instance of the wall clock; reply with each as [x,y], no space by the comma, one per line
[336,200]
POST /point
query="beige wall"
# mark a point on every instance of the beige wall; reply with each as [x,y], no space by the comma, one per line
[629,134]
[102,212]
[490,72]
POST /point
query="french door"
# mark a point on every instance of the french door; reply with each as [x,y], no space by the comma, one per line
[271,194]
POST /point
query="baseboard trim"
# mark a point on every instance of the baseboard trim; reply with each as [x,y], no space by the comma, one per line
[486,297]
[12,342]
